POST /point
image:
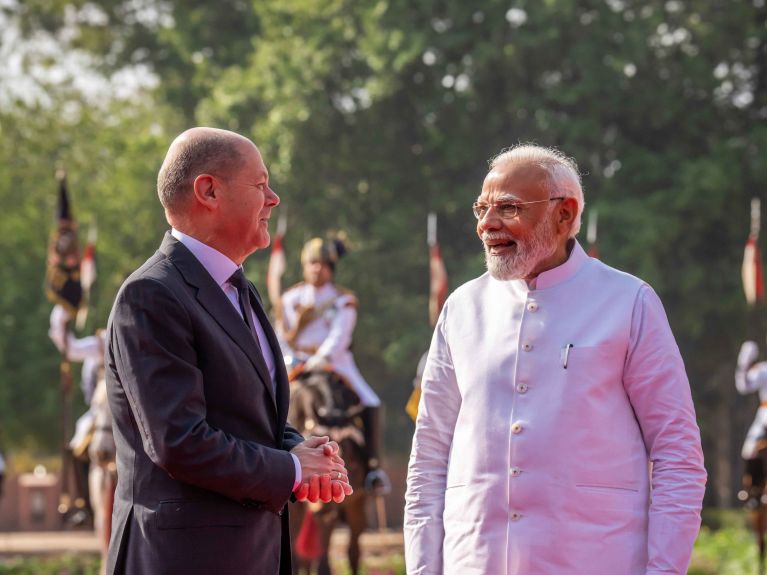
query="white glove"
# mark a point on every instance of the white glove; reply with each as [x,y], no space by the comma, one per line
[316,363]
[749,351]
[57,331]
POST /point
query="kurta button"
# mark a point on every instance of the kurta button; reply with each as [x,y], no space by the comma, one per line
[532,306]
[516,427]
[516,516]
[527,346]
[522,387]
[515,471]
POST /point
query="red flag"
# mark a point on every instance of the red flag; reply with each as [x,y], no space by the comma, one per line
[753,279]
[308,544]
[276,268]
[438,273]
[87,276]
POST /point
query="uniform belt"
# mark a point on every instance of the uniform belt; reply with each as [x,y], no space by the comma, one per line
[310,349]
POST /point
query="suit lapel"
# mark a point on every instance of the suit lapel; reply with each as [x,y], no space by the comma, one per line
[214,301]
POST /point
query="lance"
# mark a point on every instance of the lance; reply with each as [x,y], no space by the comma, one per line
[591,234]
[277,267]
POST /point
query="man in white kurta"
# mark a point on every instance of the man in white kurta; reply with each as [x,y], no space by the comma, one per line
[552,382]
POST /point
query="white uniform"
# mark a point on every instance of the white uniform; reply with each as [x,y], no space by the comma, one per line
[329,335]
[749,381]
[89,350]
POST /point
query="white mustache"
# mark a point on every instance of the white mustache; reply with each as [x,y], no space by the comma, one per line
[496,236]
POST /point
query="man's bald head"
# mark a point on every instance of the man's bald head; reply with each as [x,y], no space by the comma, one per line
[194,152]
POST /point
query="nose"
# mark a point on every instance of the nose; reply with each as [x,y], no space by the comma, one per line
[490,221]
[272,199]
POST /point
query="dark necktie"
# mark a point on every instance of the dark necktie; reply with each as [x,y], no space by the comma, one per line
[239,282]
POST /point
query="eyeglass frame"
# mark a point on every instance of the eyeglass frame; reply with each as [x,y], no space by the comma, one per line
[515,205]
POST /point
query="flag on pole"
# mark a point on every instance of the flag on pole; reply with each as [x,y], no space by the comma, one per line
[87,275]
[277,267]
[591,234]
[62,278]
[753,280]
[437,272]
[437,296]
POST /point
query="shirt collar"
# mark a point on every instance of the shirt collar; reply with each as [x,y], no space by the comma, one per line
[554,276]
[215,263]
[564,271]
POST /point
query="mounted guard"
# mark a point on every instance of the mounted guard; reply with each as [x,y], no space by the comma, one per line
[316,326]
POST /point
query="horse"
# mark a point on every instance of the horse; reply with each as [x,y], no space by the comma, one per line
[754,495]
[321,403]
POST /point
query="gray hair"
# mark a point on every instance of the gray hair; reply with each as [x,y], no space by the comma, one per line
[563,177]
[196,151]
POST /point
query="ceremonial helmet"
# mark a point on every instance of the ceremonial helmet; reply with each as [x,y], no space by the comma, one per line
[327,251]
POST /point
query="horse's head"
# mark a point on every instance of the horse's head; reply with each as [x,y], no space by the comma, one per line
[321,399]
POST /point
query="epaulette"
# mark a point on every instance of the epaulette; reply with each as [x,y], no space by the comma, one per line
[349,293]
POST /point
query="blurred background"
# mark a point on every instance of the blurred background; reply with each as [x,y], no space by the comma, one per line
[371,114]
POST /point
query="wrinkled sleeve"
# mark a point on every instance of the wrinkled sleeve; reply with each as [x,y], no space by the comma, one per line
[427,471]
[657,386]
[339,337]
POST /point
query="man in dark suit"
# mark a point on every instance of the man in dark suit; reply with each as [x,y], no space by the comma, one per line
[197,386]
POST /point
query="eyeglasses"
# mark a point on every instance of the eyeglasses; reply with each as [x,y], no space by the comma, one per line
[506,210]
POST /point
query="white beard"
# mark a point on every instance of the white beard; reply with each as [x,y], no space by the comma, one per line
[528,254]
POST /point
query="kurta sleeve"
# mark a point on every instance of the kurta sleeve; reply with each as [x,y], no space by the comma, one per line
[427,472]
[657,386]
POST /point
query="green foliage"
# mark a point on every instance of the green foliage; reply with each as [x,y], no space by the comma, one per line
[729,551]
[371,114]
[65,565]
[111,168]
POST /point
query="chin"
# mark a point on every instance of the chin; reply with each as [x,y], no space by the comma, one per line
[505,269]
[262,241]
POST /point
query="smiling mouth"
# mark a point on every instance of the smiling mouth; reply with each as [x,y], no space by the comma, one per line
[499,246]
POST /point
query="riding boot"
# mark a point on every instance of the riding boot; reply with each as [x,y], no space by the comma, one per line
[753,483]
[376,480]
[371,432]
[755,470]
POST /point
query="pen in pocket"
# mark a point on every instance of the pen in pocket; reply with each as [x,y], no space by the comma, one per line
[566,354]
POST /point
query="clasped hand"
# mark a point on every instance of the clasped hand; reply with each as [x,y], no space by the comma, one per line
[323,472]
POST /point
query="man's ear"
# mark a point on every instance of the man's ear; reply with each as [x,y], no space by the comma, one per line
[566,214]
[206,190]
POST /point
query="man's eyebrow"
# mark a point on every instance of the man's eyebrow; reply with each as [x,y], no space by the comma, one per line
[504,198]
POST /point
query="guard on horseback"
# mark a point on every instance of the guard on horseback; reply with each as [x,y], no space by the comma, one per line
[316,328]
[751,376]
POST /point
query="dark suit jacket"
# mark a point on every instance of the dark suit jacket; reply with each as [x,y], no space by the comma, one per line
[202,441]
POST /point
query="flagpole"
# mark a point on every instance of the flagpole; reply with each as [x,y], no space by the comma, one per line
[276,268]
[591,234]
[65,386]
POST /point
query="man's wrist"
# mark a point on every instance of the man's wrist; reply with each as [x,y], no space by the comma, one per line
[297,465]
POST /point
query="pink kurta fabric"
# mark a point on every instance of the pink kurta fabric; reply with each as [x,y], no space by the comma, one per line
[521,466]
